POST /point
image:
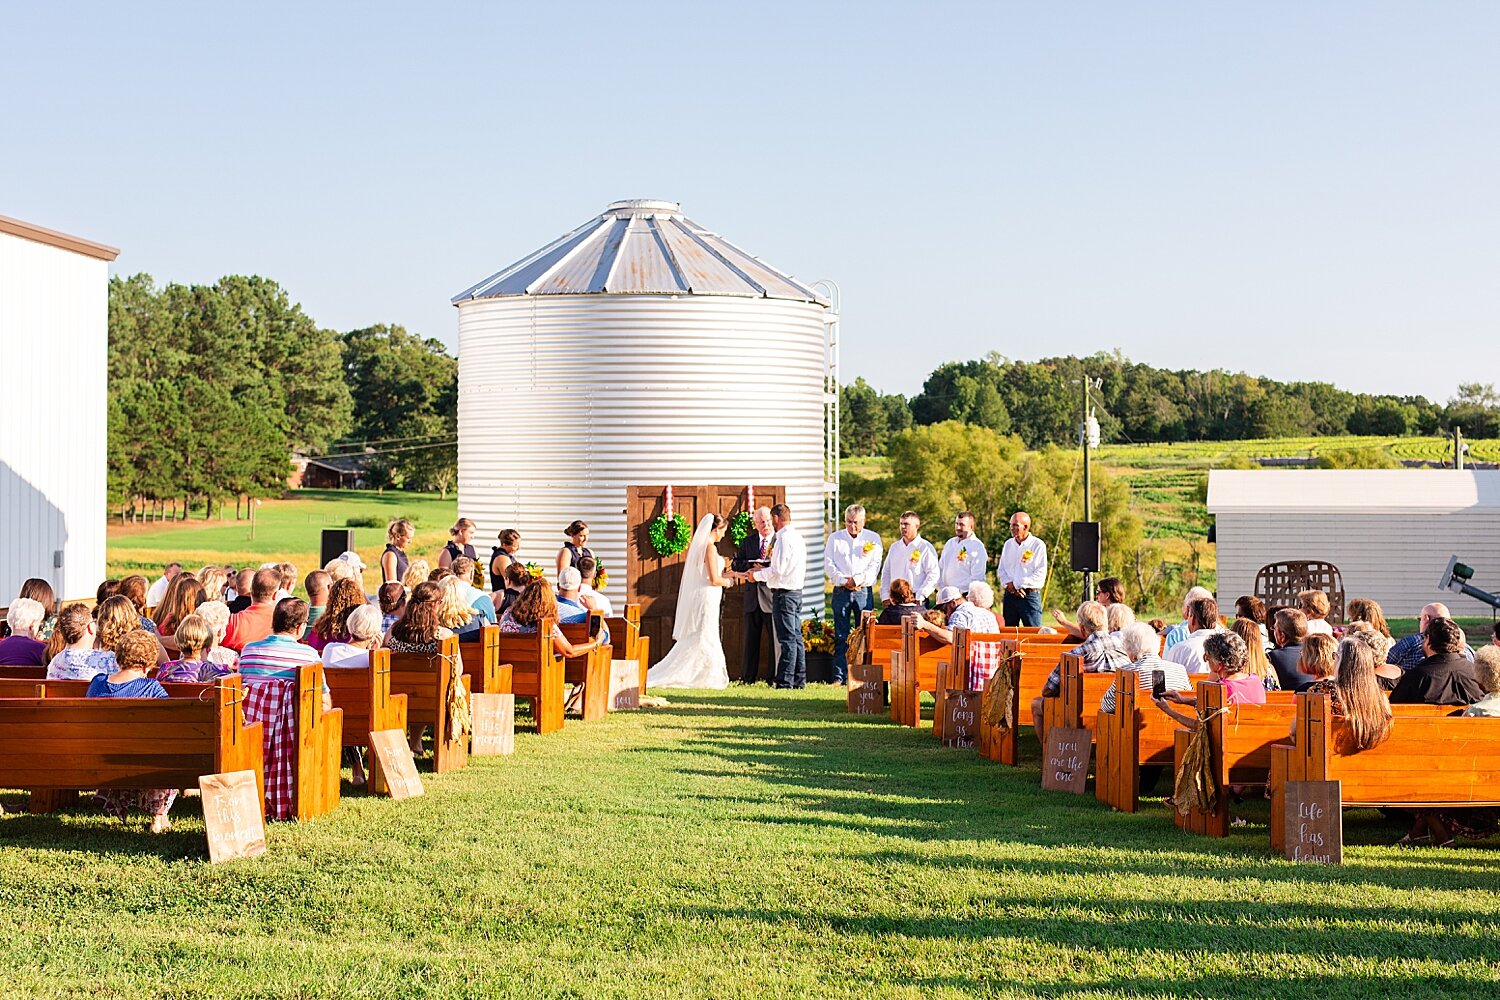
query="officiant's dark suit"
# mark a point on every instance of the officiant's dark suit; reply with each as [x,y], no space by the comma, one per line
[757,608]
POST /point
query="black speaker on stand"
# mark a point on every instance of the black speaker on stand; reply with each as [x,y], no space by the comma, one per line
[1085,553]
[336,541]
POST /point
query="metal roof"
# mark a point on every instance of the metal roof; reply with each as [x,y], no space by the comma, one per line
[1371,490]
[641,247]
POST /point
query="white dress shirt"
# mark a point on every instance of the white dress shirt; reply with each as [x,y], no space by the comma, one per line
[853,557]
[788,569]
[606,608]
[158,591]
[956,572]
[1023,564]
[921,572]
[1189,652]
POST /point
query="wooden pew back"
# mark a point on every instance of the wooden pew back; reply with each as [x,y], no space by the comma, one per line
[364,696]
[591,670]
[482,665]
[629,644]
[536,674]
[425,679]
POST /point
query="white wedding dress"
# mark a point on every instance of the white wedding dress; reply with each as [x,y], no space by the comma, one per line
[697,658]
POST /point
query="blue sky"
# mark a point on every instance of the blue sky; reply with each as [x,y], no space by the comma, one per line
[1298,190]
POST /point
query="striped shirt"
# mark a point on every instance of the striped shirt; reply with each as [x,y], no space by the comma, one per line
[276,656]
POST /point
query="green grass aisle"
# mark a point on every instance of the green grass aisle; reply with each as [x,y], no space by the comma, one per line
[738,844]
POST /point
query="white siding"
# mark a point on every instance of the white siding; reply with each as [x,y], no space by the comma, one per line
[53,338]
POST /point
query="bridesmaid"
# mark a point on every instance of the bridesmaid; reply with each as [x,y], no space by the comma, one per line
[575,548]
[393,560]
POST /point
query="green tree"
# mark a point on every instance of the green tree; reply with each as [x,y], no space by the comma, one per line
[1475,409]
[1356,458]
[405,391]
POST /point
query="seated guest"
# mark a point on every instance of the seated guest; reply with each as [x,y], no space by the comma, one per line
[115,619]
[1159,626]
[343,598]
[244,582]
[392,599]
[1227,656]
[288,580]
[902,602]
[1182,629]
[1408,652]
[417,571]
[973,613]
[317,585]
[1354,693]
[1120,616]
[363,628]
[194,639]
[1100,653]
[588,566]
[420,629]
[181,599]
[517,579]
[22,648]
[1289,628]
[214,580]
[455,612]
[215,615]
[1444,676]
[1386,674]
[40,590]
[463,569]
[1314,604]
[279,654]
[134,587]
[1254,609]
[135,654]
[1257,663]
[1140,642]
[1109,592]
[1362,609]
[269,667]
[1319,659]
[570,607]
[1487,669]
[106,590]
[536,606]
[254,623]
[932,616]
[158,591]
[1203,617]
[80,659]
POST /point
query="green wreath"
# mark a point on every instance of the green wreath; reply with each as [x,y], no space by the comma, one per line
[670,535]
[740,525]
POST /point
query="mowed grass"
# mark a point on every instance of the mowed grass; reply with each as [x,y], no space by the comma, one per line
[738,844]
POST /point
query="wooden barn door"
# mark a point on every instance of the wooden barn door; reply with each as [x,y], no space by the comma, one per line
[652,581]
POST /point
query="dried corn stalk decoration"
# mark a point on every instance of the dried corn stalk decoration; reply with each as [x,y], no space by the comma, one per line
[1195,787]
[999,694]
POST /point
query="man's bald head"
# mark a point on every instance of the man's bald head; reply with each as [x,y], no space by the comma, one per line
[1436,610]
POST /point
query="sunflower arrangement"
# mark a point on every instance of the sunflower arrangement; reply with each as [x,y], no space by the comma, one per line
[534,570]
[817,636]
[601,575]
[669,535]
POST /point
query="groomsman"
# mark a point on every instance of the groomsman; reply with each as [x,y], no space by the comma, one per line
[964,558]
[785,576]
[853,560]
[1022,572]
[756,546]
[911,558]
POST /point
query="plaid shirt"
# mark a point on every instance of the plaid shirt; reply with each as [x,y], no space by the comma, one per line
[272,701]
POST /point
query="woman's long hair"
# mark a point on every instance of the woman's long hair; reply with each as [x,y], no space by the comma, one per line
[1362,609]
[1365,706]
[535,605]
[183,596]
[343,597]
[135,587]
[40,590]
[420,622]
[453,611]
[117,618]
[1255,647]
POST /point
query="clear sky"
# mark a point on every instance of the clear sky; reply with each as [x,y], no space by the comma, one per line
[1299,190]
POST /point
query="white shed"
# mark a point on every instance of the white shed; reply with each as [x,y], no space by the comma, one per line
[1389,531]
[54,337]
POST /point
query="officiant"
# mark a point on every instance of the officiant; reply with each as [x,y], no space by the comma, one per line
[756,550]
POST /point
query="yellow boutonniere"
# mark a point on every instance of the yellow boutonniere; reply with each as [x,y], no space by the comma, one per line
[963,555]
[916,556]
[1026,556]
[869,547]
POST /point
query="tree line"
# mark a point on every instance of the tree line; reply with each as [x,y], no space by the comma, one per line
[1041,402]
[212,388]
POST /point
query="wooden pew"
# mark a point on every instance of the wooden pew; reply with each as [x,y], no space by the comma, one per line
[320,739]
[590,670]
[10,672]
[536,674]
[482,664]
[1431,759]
[364,696]
[73,742]
[1135,735]
[625,636]
[425,678]
[920,656]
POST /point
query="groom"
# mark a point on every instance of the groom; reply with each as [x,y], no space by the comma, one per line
[785,577]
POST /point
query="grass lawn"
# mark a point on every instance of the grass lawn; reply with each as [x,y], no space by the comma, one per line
[739,844]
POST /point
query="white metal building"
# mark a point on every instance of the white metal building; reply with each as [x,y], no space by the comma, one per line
[1389,531]
[641,348]
[54,337]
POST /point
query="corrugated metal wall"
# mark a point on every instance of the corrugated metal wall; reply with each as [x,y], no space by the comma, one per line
[566,400]
[1394,557]
[53,337]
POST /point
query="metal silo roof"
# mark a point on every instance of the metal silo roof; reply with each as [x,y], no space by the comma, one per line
[641,247]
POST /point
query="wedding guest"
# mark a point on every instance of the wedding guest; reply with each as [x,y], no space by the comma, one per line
[536,605]
[343,598]
[244,581]
[853,559]
[517,579]
[502,555]
[1180,631]
[134,588]
[483,605]
[317,585]
[1022,572]
[1444,676]
[569,606]
[1139,641]
[1289,629]
[900,603]
[1314,604]
[116,618]
[281,652]
[392,605]
[1109,592]
[107,589]
[256,621]
[759,620]
[576,547]
[79,659]
[393,560]
[972,613]
[40,590]
[420,628]
[214,580]
[158,589]
[22,648]
[363,634]
[135,653]
[1386,674]
[1319,659]
[963,559]
[460,543]
[194,639]
[1227,656]
[1362,609]
[1119,616]
[215,615]
[1253,608]
[1100,651]
[417,571]
[1257,663]
[1487,669]
[1203,615]
[455,612]
[912,558]
[288,578]
[1408,652]
[588,567]
[182,597]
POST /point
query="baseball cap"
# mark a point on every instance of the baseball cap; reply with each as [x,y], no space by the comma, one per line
[949,594]
[569,578]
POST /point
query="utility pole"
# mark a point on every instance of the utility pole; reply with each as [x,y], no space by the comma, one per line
[1088,435]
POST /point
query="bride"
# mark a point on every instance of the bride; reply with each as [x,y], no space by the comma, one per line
[697,659]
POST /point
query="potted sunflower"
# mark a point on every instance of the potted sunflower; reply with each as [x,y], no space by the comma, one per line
[817,638]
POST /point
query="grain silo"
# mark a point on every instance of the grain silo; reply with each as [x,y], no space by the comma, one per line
[640,348]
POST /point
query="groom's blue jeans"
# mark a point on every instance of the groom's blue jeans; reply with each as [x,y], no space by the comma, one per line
[847,604]
[791,664]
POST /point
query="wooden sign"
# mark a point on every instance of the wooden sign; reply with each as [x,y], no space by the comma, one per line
[494,724]
[1065,760]
[393,756]
[866,695]
[1314,830]
[624,685]
[961,718]
[234,815]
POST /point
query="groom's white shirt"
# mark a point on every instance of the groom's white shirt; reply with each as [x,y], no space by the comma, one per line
[788,567]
